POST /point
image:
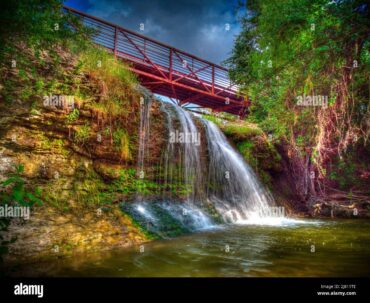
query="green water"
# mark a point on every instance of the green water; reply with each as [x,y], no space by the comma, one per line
[294,249]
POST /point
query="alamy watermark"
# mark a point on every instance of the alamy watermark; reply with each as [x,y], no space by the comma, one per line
[312,100]
[187,138]
[273,211]
[60,101]
[8,211]
[27,290]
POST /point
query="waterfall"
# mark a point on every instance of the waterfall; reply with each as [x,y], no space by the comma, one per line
[169,156]
[233,187]
[145,103]
[192,174]
[218,188]
[182,164]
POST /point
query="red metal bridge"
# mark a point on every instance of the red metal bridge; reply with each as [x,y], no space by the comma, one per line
[168,71]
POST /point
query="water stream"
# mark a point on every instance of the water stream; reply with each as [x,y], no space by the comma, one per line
[219,186]
[289,248]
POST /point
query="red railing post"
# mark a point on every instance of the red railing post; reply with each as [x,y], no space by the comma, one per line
[115,41]
[170,64]
[213,79]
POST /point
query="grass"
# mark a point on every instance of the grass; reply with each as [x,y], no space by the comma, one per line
[236,129]
[121,141]
[82,133]
[72,116]
[116,82]
[242,130]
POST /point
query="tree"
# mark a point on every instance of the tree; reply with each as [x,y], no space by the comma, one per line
[295,49]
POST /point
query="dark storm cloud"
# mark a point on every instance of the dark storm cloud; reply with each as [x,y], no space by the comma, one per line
[195,26]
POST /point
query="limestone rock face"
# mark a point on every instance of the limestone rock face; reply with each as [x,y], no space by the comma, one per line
[80,211]
[50,233]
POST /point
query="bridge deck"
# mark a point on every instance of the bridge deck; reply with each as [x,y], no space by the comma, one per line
[168,71]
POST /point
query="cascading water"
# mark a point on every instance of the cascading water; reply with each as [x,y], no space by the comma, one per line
[169,155]
[190,156]
[173,156]
[145,103]
[232,185]
[228,192]
[182,163]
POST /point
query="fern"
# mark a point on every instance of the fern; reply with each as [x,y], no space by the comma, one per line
[13,190]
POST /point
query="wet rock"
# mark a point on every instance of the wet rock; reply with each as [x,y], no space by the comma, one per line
[49,234]
[337,209]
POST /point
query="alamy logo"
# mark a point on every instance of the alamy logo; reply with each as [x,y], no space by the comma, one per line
[7,211]
[26,290]
[274,211]
[314,100]
[60,101]
[180,137]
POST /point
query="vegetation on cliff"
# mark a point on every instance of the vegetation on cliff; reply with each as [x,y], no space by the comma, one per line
[69,116]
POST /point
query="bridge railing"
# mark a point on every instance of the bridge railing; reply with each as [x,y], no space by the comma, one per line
[168,62]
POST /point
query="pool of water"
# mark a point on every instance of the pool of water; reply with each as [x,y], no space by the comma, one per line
[280,248]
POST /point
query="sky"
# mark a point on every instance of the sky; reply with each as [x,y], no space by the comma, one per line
[205,28]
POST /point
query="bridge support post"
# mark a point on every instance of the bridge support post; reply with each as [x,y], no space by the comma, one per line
[213,79]
[115,41]
[170,65]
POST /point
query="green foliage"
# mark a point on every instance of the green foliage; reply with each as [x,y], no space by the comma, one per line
[126,182]
[39,85]
[39,23]
[295,47]
[246,149]
[32,35]
[82,133]
[73,116]
[212,118]
[243,131]
[13,190]
[121,141]
[98,60]
[237,130]
[106,131]
[114,75]
[344,173]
